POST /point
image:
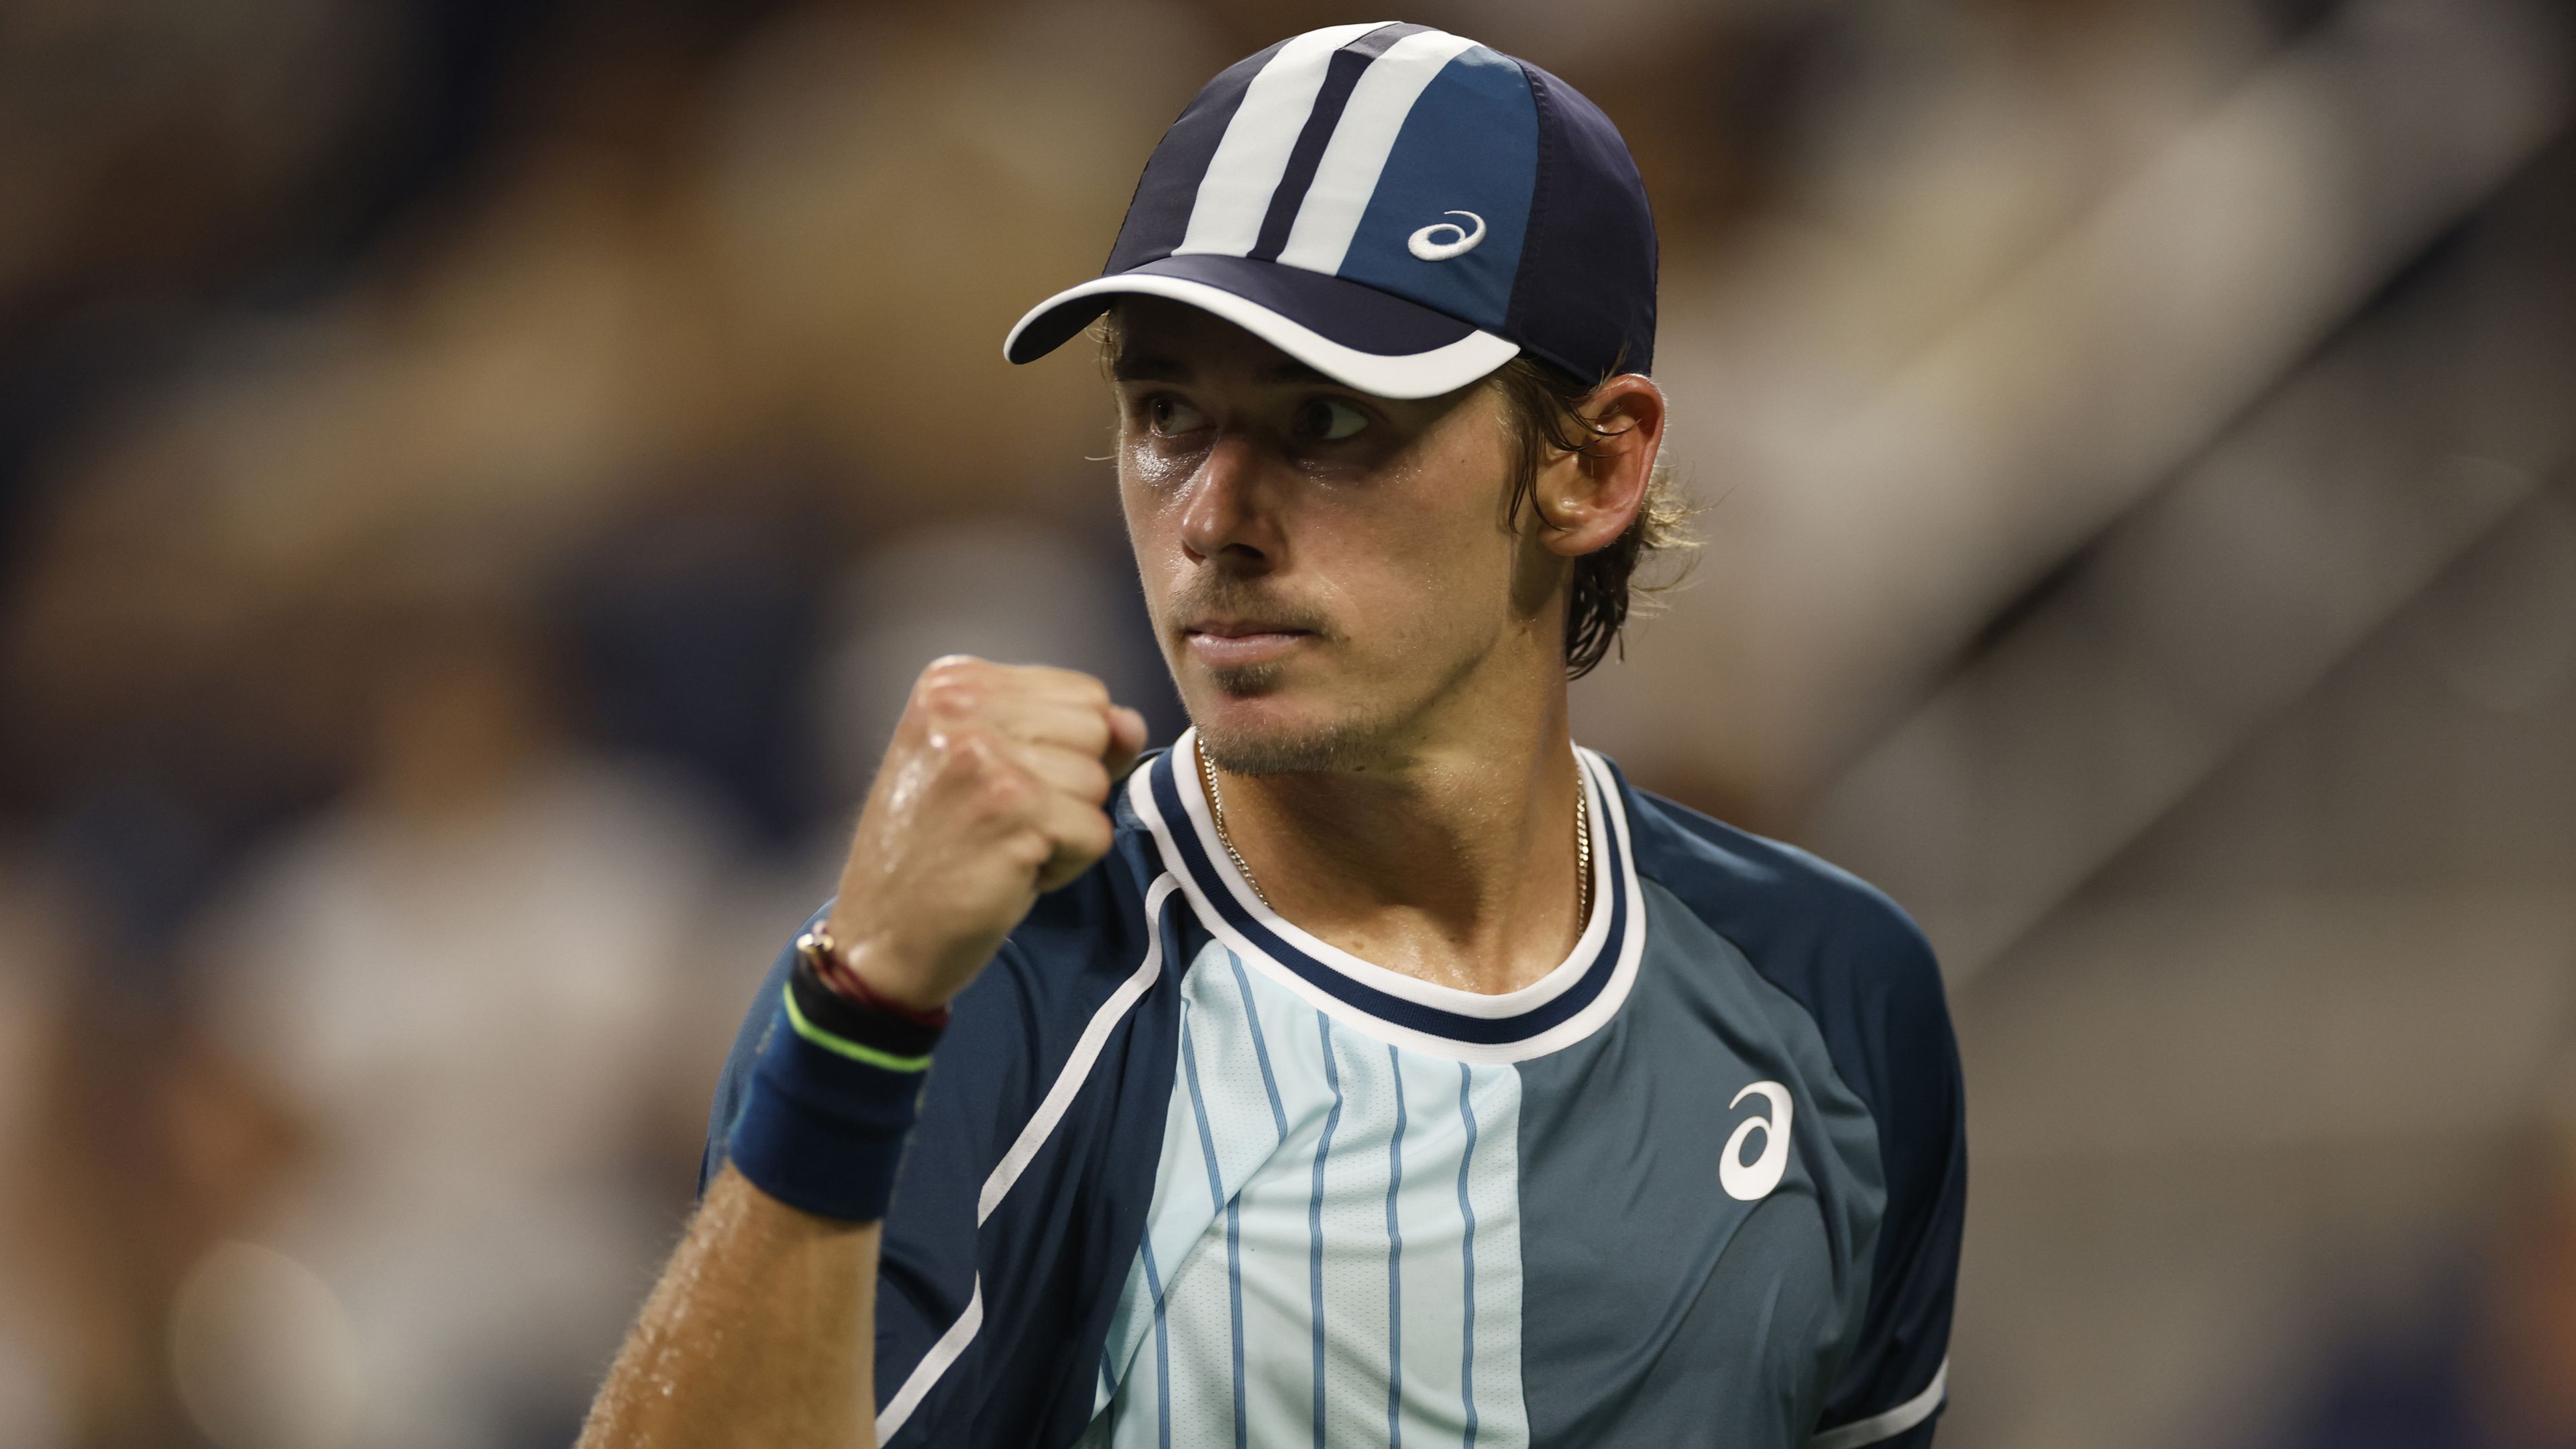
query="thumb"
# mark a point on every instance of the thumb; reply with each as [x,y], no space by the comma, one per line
[1126,739]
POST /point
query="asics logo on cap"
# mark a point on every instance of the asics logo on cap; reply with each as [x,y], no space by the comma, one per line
[1431,247]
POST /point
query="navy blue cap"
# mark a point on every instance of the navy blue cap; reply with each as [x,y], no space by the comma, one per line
[1399,208]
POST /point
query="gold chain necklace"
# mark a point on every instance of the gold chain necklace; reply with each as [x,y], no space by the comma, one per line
[1582,841]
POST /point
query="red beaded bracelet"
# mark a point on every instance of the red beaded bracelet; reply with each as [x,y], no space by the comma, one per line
[823,955]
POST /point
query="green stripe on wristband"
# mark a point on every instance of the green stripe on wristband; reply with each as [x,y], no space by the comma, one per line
[843,1046]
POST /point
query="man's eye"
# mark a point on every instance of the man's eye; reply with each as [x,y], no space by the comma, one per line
[1171,417]
[1330,419]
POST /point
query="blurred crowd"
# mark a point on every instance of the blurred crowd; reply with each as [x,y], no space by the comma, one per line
[477,479]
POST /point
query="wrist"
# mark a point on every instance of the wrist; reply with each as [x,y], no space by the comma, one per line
[832,1097]
[834,965]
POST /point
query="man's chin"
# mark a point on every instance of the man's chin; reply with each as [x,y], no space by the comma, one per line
[1275,733]
[1245,681]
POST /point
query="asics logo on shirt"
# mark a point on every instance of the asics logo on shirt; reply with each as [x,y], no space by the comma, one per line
[1751,1181]
[1431,247]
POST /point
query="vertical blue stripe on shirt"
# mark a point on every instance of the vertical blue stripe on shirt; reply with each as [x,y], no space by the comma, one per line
[1231,1284]
[1233,1226]
[1395,1265]
[1162,1349]
[1260,1047]
[1234,1291]
[1234,1208]
[1467,1212]
[1315,1215]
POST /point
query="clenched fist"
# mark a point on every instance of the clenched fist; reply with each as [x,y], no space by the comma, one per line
[991,792]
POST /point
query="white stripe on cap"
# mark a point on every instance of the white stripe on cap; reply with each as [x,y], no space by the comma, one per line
[1347,176]
[1234,195]
[1421,374]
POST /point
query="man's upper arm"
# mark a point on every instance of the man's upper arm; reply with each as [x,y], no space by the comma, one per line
[1896,1378]
[1865,975]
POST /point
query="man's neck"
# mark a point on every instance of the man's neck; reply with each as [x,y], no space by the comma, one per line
[1454,865]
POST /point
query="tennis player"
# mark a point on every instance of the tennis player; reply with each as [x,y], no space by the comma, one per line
[1373,1067]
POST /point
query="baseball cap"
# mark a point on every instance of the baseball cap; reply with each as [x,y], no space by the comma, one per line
[1401,209]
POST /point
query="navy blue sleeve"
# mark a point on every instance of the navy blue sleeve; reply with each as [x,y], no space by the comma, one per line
[1901,1021]
[1867,977]
[1034,1282]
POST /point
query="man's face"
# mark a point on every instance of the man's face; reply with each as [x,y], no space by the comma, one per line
[1327,571]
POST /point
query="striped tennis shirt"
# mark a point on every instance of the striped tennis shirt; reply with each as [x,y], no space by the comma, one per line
[1187,1175]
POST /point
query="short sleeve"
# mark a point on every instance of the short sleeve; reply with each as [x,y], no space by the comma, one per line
[1866,976]
[1896,1379]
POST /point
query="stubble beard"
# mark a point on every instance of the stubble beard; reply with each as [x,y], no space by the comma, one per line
[1340,744]
[1370,734]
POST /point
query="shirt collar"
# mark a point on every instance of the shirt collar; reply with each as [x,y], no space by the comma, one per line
[1567,1004]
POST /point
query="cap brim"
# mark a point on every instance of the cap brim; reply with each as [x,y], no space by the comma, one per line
[1373,341]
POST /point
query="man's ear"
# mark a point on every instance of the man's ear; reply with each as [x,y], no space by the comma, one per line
[1586,500]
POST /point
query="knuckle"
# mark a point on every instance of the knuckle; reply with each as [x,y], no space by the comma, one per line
[950,697]
[964,752]
[1005,791]
[952,680]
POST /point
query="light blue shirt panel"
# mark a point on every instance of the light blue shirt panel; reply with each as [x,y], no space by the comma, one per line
[1409,1247]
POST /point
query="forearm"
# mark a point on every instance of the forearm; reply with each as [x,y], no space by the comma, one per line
[760,1332]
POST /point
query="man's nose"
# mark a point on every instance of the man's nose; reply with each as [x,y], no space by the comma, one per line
[1227,518]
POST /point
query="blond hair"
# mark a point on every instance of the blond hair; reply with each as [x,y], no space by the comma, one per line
[1545,408]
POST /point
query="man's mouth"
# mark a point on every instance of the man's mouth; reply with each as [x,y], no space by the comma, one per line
[1242,641]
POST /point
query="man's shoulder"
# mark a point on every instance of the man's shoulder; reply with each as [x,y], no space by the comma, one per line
[1835,944]
[1753,889]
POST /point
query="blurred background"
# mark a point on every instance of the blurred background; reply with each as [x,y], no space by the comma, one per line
[476,477]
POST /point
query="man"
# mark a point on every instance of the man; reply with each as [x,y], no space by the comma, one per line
[1373,1066]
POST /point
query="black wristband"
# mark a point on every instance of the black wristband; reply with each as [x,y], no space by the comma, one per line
[855,1021]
